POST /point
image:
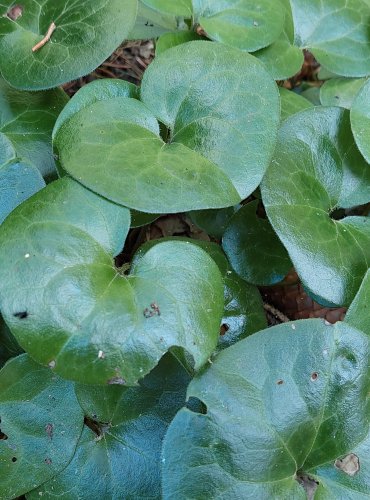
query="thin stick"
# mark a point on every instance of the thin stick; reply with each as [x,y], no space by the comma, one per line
[46,38]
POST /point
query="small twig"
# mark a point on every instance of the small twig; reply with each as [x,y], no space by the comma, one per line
[46,38]
[275,312]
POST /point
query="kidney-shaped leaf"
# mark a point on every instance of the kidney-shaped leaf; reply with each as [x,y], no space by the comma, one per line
[340,91]
[243,24]
[85,34]
[360,120]
[290,399]
[41,422]
[337,33]
[222,110]
[317,169]
[27,120]
[68,306]
[119,453]
[18,181]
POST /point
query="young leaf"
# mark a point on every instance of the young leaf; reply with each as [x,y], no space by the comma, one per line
[337,33]
[169,40]
[317,169]
[253,249]
[340,91]
[287,401]
[360,120]
[84,319]
[245,25]
[85,34]
[27,120]
[119,453]
[18,181]
[41,421]
[215,153]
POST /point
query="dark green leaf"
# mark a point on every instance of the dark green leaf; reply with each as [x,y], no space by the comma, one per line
[337,33]
[216,152]
[292,103]
[253,249]
[42,422]
[18,181]
[290,399]
[316,170]
[27,120]
[122,458]
[83,318]
[86,33]
[213,222]
[340,91]
[9,347]
[245,25]
[360,120]
[169,40]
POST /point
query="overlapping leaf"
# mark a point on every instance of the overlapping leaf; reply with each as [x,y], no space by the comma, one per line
[337,33]
[68,306]
[360,120]
[119,453]
[340,91]
[41,422]
[292,103]
[216,152]
[86,33]
[317,169]
[27,120]
[358,314]
[289,400]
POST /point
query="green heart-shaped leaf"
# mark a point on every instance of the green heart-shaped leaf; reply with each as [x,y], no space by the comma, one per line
[222,112]
[317,169]
[358,312]
[119,453]
[18,181]
[27,120]
[340,91]
[83,318]
[287,401]
[253,249]
[243,24]
[337,33]
[85,34]
[292,103]
[41,422]
[360,120]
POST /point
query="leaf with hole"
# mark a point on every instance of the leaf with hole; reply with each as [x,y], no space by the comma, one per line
[38,434]
[317,169]
[85,34]
[86,320]
[213,153]
[286,402]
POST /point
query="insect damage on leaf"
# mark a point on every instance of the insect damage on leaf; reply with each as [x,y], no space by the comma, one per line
[14,12]
[350,464]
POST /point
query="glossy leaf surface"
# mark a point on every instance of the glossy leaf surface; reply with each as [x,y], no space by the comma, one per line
[9,347]
[360,120]
[42,422]
[179,8]
[122,458]
[317,169]
[84,319]
[18,181]
[290,398]
[243,24]
[358,314]
[292,103]
[337,33]
[86,33]
[253,249]
[27,120]
[215,153]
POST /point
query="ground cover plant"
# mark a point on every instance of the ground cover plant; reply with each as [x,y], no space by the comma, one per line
[139,366]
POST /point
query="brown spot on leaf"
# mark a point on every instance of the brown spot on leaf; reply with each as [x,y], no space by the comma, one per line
[280,382]
[116,381]
[224,328]
[21,314]
[314,376]
[308,483]
[49,429]
[350,464]
[3,436]
[14,459]
[15,12]
[48,461]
